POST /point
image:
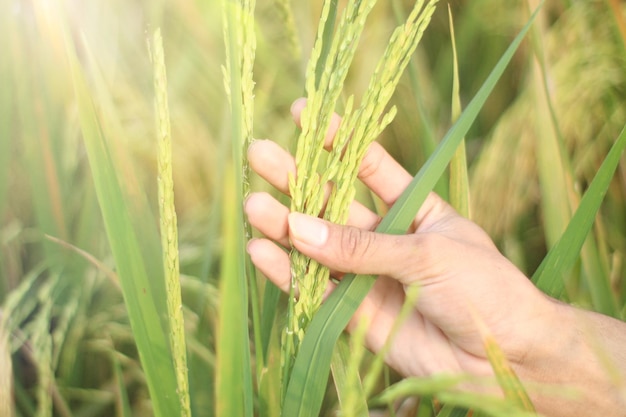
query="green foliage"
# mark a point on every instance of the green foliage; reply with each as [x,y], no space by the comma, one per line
[84,323]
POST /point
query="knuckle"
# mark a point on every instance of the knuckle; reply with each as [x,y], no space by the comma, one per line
[371,162]
[355,245]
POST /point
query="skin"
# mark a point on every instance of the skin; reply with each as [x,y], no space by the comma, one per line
[467,288]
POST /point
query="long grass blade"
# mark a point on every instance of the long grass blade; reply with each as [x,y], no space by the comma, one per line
[305,391]
[234,394]
[233,375]
[562,256]
[271,296]
[131,265]
[559,195]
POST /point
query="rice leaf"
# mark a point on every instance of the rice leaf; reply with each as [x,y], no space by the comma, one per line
[306,386]
[233,374]
[559,194]
[565,251]
[271,296]
[131,265]
[234,394]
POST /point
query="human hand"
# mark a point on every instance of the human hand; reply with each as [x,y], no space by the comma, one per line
[464,280]
[460,271]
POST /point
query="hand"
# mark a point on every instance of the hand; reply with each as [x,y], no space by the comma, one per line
[463,277]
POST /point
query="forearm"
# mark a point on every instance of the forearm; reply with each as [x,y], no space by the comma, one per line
[583,364]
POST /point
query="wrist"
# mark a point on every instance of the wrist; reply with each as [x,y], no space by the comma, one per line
[576,364]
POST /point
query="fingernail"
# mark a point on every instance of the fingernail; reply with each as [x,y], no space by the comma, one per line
[307,229]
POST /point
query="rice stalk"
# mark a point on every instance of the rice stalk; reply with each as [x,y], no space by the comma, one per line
[306,188]
[168,226]
[358,129]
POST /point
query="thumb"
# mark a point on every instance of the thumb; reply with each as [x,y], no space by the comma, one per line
[352,250]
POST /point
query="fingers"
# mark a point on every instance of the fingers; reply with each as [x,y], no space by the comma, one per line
[351,249]
[382,174]
[272,261]
[272,163]
[268,216]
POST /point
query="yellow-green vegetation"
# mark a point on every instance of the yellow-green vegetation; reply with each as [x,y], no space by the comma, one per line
[97,315]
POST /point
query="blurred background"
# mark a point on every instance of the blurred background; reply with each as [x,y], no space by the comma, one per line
[65,323]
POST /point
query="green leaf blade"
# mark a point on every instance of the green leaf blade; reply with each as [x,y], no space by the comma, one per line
[565,252]
[131,265]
